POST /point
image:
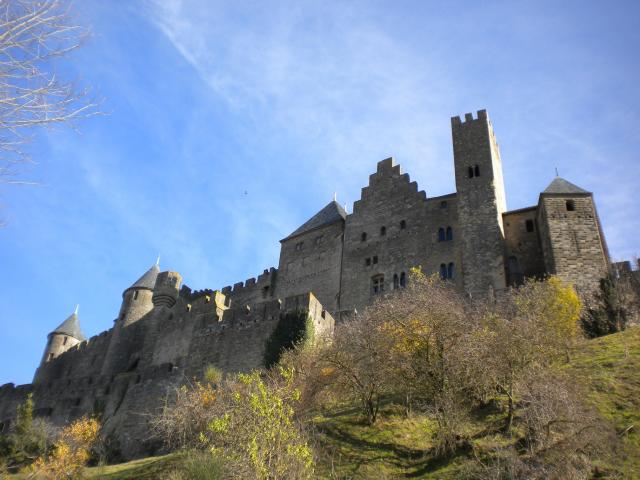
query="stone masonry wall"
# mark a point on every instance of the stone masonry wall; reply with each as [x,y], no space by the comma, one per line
[572,245]
[522,243]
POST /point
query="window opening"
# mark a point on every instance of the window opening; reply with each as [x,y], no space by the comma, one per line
[383,231]
[571,205]
[403,280]
[403,224]
[441,235]
[377,284]
[396,281]
[476,171]
[449,233]
[529,225]
[363,237]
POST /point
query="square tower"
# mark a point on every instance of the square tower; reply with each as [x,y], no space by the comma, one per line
[481,203]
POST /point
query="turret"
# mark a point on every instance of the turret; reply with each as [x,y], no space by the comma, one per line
[137,299]
[62,338]
[167,288]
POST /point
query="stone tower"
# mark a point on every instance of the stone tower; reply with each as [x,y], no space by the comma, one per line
[137,301]
[573,245]
[62,338]
[481,203]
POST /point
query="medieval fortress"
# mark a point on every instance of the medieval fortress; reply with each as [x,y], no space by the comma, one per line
[334,265]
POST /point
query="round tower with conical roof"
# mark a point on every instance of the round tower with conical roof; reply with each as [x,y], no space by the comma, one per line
[137,299]
[62,338]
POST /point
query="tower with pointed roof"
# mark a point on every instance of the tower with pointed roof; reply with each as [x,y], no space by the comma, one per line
[137,301]
[571,237]
[65,336]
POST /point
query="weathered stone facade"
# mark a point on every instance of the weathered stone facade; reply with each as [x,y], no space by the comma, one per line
[334,265]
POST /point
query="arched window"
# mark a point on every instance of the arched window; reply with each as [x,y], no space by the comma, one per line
[363,237]
[443,271]
[377,284]
[476,171]
[396,281]
[403,224]
[449,233]
[470,172]
[403,280]
[450,271]
[571,205]
[441,235]
[383,231]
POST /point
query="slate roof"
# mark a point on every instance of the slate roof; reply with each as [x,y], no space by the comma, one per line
[328,215]
[71,327]
[561,186]
[148,280]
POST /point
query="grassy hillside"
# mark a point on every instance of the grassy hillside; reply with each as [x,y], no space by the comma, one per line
[398,447]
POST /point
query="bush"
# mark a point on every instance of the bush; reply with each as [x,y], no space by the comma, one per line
[71,452]
[610,313]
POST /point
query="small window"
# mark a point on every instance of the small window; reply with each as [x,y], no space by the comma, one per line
[571,205]
[470,172]
[383,231]
[375,259]
[367,261]
[265,291]
[396,281]
[50,356]
[363,237]
[441,235]
[529,225]
[299,246]
[319,239]
[443,204]
[377,284]
[450,271]
[449,233]
[64,342]
[443,271]
[403,224]
[476,171]
[135,295]
[77,402]
[403,280]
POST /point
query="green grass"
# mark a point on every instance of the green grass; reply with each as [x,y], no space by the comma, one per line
[399,447]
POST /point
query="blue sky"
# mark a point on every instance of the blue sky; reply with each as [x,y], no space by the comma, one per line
[230,123]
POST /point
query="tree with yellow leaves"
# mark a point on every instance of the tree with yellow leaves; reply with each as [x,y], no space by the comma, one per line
[71,451]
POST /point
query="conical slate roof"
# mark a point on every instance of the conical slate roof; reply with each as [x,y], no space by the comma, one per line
[148,280]
[71,327]
[328,215]
[561,186]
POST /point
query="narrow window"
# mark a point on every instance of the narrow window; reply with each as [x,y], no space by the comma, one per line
[443,204]
[443,271]
[403,280]
[383,231]
[375,259]
[135,295]
[476,171]
[377,284]
[64,342]
[50,357]
[367,261]
[441,235]
[319,239]
[571,206]
[403,224]
[529,225]
[470,172]
[363,237]
[265,291]
[449,233]
[396,281]
[450,271]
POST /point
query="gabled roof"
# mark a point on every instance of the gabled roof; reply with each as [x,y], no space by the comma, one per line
[328,215]
[71,327]
[148,280]
[562,187]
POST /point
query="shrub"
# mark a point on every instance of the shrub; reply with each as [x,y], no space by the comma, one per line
[72,450]
[292,328]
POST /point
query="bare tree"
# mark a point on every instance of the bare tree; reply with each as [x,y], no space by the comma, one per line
[34,35]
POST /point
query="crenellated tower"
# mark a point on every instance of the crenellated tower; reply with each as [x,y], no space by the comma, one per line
[481,203]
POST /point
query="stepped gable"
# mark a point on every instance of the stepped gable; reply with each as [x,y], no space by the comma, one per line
[71,327]
[560,186]
[332,213]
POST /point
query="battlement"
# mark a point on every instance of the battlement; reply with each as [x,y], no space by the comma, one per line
[468,118]
[267,277]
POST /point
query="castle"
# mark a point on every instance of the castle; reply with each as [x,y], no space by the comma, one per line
[332,266]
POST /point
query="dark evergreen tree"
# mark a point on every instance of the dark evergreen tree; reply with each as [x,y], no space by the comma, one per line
[609,315]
